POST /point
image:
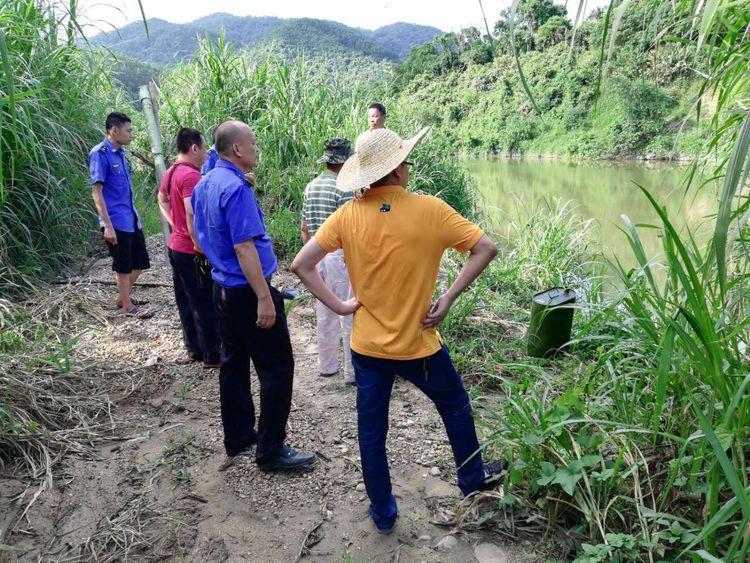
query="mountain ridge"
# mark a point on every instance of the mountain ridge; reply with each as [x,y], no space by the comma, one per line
[169,43]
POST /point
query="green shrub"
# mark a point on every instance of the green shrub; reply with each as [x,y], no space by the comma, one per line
[53,110]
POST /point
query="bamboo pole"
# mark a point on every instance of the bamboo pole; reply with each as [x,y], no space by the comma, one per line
[160,167]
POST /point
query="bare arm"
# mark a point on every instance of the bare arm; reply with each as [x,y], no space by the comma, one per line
[190,220]
[304,232]
[480,255]
[164,208]
[304,266]
[247,255]
[109,232]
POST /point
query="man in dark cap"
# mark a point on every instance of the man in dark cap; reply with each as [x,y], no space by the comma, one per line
[322,198]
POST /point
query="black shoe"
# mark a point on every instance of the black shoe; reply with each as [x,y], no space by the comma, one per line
[329,374]
[288,459]
[494,474]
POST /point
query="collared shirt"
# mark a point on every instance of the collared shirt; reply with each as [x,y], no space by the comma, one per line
[227,213]
[182,178]
[322,198]
[212,157]
[109,166]
[393,242]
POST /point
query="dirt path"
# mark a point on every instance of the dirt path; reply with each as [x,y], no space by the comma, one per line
[162,492]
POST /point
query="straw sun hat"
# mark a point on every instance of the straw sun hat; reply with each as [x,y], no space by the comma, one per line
[377,154]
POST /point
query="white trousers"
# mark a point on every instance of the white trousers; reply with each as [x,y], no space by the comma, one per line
[333,329]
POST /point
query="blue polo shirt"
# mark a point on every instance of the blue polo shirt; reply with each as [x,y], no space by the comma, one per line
[212,157]
[109,166]
[227,213]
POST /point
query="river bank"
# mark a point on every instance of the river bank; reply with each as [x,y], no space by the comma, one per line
[554,157]
[148,479]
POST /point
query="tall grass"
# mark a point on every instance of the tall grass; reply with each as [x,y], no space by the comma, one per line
[292,109]
[53,100]
[636,445]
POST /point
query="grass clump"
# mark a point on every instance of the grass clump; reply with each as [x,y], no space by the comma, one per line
[54,103]
[631,444]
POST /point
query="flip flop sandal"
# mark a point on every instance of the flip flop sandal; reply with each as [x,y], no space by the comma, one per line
[135,301]
[139,313]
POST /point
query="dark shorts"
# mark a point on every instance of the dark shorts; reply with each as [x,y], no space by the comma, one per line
[129,253]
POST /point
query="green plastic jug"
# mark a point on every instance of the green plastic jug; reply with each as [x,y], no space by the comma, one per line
[551,321]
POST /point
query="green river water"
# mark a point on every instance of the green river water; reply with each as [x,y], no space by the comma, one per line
[602,192]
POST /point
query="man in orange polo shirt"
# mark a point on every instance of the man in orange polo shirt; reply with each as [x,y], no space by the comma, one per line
[393,242]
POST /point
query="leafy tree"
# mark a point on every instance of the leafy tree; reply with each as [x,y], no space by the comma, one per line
[553,31]
[448,46]
[474,49]
[525,39]
[535,13]
[424,59]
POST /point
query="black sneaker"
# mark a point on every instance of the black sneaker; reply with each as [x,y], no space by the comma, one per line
[289,459]
[494,474]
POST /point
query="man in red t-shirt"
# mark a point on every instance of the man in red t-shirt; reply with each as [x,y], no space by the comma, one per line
[191,273]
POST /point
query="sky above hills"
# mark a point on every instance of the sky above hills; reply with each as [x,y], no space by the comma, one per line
[450,15]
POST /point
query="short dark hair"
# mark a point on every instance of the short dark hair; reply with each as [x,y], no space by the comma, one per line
[187,137]
[378,106]
[116,119]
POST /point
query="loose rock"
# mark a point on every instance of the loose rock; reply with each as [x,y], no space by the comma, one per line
[447,543]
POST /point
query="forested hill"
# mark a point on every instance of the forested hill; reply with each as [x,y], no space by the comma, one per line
[467,86]
[168,43]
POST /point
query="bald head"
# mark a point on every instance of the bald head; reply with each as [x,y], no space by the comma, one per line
[229,133]
[235,142]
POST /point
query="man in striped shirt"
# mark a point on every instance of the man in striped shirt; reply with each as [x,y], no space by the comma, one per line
[322,198]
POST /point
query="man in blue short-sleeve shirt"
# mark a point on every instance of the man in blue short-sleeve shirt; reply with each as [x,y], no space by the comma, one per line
[232,216]
[230,229]
[119,221]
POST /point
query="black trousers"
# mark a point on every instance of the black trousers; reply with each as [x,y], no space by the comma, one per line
[271,353]
[193,292]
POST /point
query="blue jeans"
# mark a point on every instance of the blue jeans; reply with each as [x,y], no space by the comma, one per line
[437,378]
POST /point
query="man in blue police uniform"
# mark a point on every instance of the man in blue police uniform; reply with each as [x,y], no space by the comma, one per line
[118,219]
[230,229]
